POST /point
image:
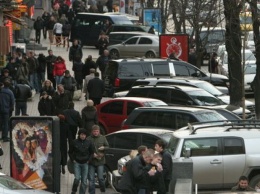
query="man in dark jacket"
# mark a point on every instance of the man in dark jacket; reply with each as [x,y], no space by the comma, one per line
[6,107]
[69,82]
[50,59]
[22,93]
[38,26]
[45,17]
[75,50]
[96,89]
[45,105]
[80,153]
[166,162]
[102,62]
[134,180]
[33,66]
[41,69]
[73,119]
[61,99]
[97,163]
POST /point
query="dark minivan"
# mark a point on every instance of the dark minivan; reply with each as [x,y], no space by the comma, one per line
[121,74]
[87,26]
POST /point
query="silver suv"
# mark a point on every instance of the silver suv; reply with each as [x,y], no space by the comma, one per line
[220,153]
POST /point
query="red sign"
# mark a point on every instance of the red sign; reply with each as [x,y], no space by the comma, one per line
[174,43]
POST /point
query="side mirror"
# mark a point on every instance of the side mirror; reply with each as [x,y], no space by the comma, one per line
[187,153]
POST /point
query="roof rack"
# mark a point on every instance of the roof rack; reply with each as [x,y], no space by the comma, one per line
[233,124]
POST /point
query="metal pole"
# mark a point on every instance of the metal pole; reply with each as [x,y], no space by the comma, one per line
[243,75]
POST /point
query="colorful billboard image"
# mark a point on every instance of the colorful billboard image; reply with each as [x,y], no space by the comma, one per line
[31,152]
[174,43]
[152,17]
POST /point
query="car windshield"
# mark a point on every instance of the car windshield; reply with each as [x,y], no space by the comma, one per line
[121,20]
[250,69]
[10,183]
[210,116]
[204,98]
[154,103]
[172,145]
[209,88]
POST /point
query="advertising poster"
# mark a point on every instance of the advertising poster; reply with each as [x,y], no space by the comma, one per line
[152,17]
[32,153]
[174,43]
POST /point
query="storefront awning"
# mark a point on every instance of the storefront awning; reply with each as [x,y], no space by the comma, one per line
[15,19]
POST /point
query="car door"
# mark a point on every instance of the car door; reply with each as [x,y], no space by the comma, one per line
[112,114]
[128,48]
[207,161]
[143,45]
[234,157]
[120,145]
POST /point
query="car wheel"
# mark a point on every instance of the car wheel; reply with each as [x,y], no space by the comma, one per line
[105,175]
[114,54]
[150,54]
[255,181]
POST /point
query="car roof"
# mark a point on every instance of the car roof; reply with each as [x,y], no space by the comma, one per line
[135,32]
[157,131]
[239,128]
[181,108]
[190,80]
[145,60]
[184,88]
[139,99]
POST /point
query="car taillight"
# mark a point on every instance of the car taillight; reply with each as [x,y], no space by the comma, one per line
[117,82]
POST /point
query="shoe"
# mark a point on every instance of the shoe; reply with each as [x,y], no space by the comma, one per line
[63,170]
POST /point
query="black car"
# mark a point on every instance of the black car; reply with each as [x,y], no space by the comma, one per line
[122,142]
[121,74]
[169,117]
[128,28]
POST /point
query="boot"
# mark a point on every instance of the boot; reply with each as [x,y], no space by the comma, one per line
[75,186]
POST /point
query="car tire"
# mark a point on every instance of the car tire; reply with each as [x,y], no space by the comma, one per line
[254,181]
[114,54]
[150,54]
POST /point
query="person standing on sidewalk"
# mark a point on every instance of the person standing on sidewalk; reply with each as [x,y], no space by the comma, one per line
[96,164]
[50,60]
[38,26]
[75,50]
[33,66]
[59,69]
[80,153]
[6,107]
[96,89]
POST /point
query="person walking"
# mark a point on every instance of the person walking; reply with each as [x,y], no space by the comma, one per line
[74,121]
[59,69]
[45,17]
[61,99]
[213,66]
[80,153]
[46,106]
[87,78]
[22,74]
[78,72]
[41,69]
[49,26]
[96,164]
[57,29]
[89,116]
[50,60]
[160,146]
[33,66]
[89,64]
[6,107]
[47,87]
[102,62]
[38,26]
[96,89]
[102,43]
[75,50]
[22,93]
[69,83]
[66,28]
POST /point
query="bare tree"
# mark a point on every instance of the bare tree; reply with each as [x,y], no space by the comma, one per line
[232,10]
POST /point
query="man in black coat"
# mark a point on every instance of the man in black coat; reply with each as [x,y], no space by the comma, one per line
[135,178]
[45,105]
[75,51]
[22,93]
[102,62]
[50,59]
[96,89]
[61,99]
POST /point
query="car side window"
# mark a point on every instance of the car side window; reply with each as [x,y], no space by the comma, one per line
[202,147]
[145,119]
[133,70]
[179,97]
[233,146]
[131,106]
[148,140]
[144,40]
[138,92]
[159,93]
[160,69]
[165,119]
[131,41]
[182,119]
[126,140]
[192,71]
[181,70]
[113,108]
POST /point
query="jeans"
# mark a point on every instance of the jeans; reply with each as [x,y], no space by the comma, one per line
[34,81]
[58,79]
[4,117]
[81,174]
[20,106]
[91,175]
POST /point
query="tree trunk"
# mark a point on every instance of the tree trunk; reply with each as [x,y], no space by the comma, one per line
[256,83]
[233,47]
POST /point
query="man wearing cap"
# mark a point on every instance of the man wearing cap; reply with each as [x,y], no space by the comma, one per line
[80,153]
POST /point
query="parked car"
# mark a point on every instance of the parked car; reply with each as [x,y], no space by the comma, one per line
[227,150]
[249,75]
[181,95]
[111,113]
[122,142]
[119,37]
[121,74]
[170,117]
[136,46]
[9,185]
[193,82]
